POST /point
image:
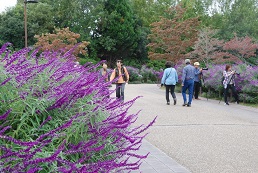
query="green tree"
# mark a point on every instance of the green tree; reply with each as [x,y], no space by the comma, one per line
[240,18]
[117,31]
[149,11]
[12,26]
[39,20]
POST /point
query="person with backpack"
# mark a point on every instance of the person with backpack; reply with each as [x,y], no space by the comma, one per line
[229,83]
[169,79]
[122,74]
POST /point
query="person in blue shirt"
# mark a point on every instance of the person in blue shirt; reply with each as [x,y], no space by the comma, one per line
[169,79]
[188,82]
[197,80]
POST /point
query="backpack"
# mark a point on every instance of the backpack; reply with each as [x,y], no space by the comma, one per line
[222,79]
[122,73]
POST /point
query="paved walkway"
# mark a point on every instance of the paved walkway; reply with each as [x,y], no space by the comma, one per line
[158,161]
[205,138]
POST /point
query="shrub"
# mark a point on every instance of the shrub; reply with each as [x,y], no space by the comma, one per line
[148,74]
[58,118]
[156,64]
[246,82]
[62,40]
[134,74]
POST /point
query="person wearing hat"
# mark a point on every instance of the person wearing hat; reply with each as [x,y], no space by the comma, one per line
[197,80]
[188,82]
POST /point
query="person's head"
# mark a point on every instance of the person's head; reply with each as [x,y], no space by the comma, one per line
[187,61]
[196,64]
[119,63]
[168,64]
[228,67]
[104,65]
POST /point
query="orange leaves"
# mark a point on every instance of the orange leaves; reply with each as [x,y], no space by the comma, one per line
[61,39]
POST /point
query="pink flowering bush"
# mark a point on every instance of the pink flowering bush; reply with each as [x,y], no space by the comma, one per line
[55,117]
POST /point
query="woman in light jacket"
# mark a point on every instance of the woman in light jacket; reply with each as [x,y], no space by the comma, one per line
[169,79]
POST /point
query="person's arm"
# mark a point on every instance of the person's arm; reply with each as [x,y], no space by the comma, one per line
[127,75]
[163,77]
[176,77]
[113,74]
[197,72]
[183,76]
[226,75]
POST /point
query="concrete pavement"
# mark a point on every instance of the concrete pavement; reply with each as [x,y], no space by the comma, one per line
[207,137]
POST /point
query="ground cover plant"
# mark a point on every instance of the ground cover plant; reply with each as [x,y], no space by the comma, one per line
[57,117]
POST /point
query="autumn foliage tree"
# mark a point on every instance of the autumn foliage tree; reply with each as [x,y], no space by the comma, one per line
[209,49]
[242,48]
[61,39]
[172,36]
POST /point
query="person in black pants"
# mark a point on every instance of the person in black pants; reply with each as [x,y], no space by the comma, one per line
[197,80]
[169,79]
[229,83]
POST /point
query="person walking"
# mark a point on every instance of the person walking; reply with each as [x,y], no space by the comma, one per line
[188,82]
[169,79]
[122,74]
[197,80]
[104,75]
[104,72]
[229,83]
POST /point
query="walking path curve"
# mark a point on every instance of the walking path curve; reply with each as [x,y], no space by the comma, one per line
[205,138]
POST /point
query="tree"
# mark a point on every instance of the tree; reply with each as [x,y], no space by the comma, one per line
[243,48]
[240,18]
[117,31]
[62,39]
[172,37]
[149,11]
[207,47]
[39,17]
[12,26]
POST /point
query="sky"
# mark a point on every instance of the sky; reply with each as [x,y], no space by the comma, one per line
[6,3]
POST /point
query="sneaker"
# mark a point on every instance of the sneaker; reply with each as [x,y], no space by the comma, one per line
[188,105]
[168,103]
[226,103]
[174,101]
[184,104]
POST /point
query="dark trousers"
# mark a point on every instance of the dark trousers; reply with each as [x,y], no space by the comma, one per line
[172,91]
[233,89]
[197,86]
[120,89]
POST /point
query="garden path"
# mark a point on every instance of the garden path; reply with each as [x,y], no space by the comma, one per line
[207,137]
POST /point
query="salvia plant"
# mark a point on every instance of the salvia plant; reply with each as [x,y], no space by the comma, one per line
[246,80]
[57,117]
